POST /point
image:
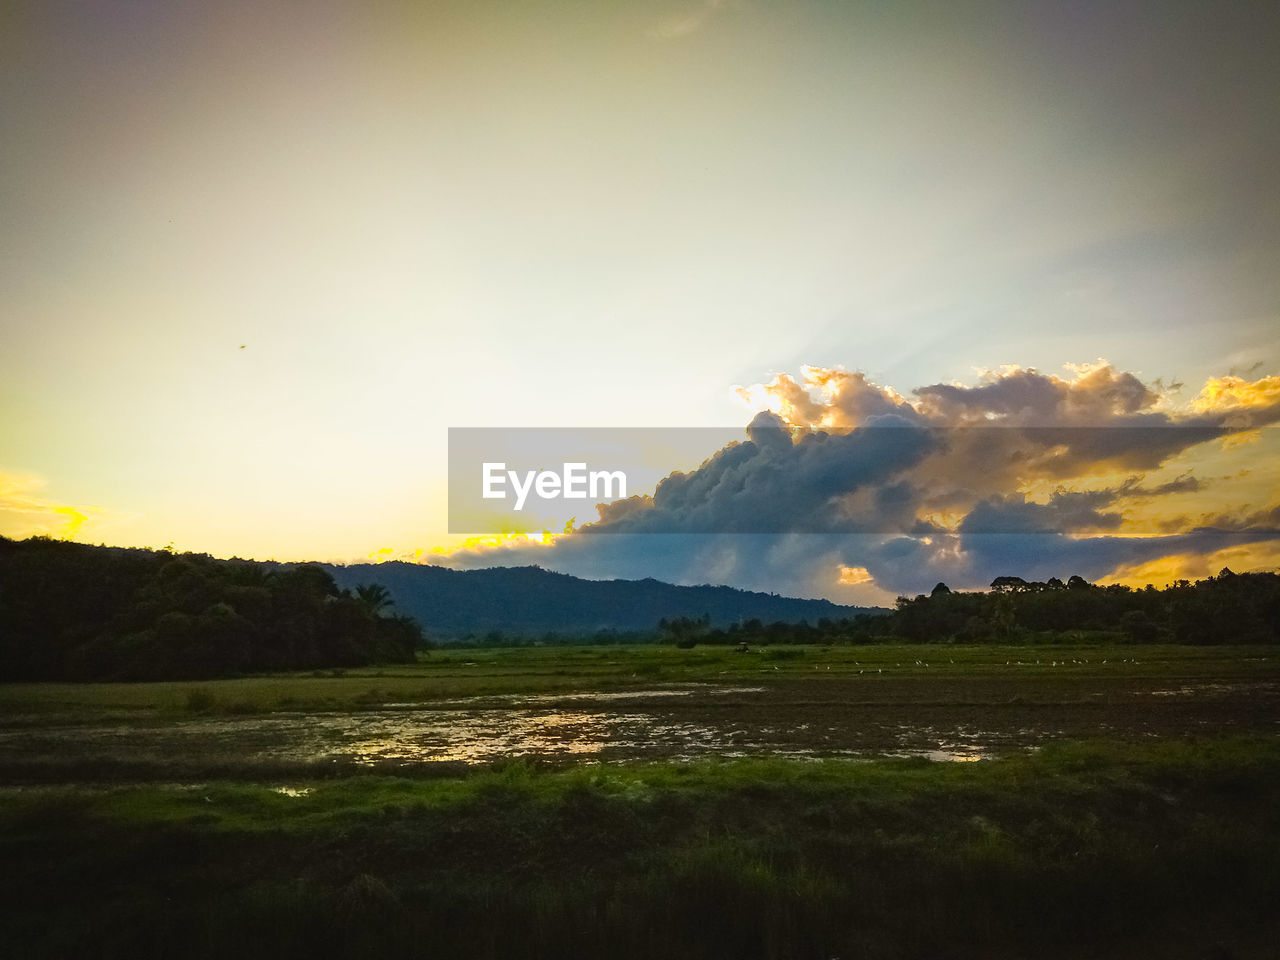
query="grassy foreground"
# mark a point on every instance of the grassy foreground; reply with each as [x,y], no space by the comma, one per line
[524,670]
[1103,850]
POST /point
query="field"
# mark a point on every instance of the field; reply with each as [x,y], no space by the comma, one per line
[648,801]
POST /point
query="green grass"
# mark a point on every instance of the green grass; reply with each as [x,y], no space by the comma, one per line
[525,670]
[1081,847]
[1134,846]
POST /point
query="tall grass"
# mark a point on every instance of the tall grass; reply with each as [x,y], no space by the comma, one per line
[1113,849]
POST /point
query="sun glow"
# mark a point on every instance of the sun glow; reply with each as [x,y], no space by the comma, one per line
[853,576]
[495,541]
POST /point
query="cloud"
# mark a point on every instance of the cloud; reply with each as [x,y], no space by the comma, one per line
[821,458]
[1259,555]
[1267,518]
[849,489]
[828,399]
[770,484]
[854,576]
[1097,395]
[909,565]
[1065,510]
[1184,484]
[1242,404]
[25,513]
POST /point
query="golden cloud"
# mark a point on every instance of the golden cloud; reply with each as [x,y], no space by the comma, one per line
[1235,393]
[1192,566]
[25,513]
[853,576]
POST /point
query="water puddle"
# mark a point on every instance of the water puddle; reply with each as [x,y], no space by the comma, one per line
[1252,688]
[479,735]
[685,721]
[949,753]
[485,735]
[610,696]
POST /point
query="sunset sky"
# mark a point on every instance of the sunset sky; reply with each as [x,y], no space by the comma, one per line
[258,257]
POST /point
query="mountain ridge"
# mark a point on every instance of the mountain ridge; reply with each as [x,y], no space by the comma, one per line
[530,600]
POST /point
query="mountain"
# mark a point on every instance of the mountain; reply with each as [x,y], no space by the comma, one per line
[530,600]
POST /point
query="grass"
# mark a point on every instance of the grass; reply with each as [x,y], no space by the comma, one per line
[526,670]
[1131,846]
[1086,846]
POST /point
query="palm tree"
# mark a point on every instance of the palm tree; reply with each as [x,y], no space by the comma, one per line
[374,596]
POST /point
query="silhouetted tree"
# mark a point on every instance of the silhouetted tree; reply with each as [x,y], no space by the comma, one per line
[1008,583]
[374,596]
[72,611]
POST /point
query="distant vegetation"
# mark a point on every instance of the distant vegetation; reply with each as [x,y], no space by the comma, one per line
[74,612]
[1228,608]
[501,605]
[70,611]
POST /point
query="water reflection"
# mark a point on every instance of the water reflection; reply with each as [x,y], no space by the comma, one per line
[665,721]
[590,696]
[954,753]
[483,735]
[480,735]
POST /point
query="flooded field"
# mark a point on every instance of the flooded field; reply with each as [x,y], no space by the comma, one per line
[944,713]
[377,809]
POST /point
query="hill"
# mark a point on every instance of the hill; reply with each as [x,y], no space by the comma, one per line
[531,601]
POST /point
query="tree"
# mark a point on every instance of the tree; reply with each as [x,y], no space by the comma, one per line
[1003,620]
[1008,583]
[1138,626]
[375,597]
[684,632]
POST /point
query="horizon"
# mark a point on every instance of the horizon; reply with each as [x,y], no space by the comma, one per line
[409,562]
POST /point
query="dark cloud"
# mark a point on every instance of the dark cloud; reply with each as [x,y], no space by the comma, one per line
[915,491]
[1065,511]
[1268,518]
[1185,484]
[770,484]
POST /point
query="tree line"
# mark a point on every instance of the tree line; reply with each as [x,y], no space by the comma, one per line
[1228,608]
[71,611]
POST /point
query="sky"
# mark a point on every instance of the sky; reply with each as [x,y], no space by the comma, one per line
[257,258]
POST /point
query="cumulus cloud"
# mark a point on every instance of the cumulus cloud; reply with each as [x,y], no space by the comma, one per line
[821,458]
[772,484]
[1098,395]
[843,485]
